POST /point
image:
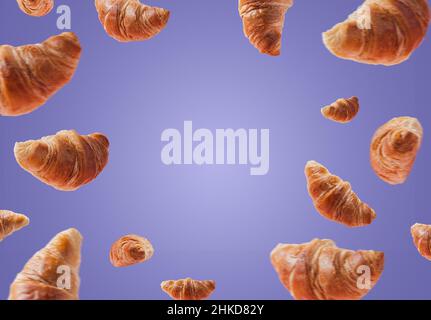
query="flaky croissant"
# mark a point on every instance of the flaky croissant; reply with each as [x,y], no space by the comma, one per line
[130,20]
[319,270]
[421,234]
[263,22]
[31,74]
[36,8]
[53,272]
[394,148]
[380,32]
[66,160]
[129,250]
[334,199]
[188,289]
[11,222]
[342,110]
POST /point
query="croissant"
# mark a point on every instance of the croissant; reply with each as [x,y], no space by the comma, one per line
[36,8]
[319,270]
[263,22]
[31,74]
[342,110]
[11,222]
[42,276]
[421,234]
[334,199]
[129,250]
[188,289]
[394,148]
[66,160]
[380,32]
[129,20]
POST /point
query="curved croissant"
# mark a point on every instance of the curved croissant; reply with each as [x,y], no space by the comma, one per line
[53,272]
[342,110]
[263,22]
[36,8]
[129,250]
[319,270]
[31,74]
[421,234]
[129,20]
[11,222]
[334,199]
[380,32]
[66,160]
[188,289]
[394,148]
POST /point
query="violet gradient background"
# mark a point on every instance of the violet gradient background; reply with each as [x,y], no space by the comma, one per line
[215,222]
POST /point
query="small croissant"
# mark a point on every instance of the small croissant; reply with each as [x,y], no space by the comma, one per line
[130,20]
[53,272]
[263,22]
[394,148]
[11,222]
[334,199]
[66,160]
[188,289]
[319,270]
[382,32]
[36,8]
[421,234]
[129,250]
[342,110]
[31,74]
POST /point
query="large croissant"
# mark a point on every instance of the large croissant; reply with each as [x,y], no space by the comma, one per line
[188,289]
[36,8]
[342,110]
[319,270]
[334,199]
[66,160]
[394,148]
[380,32]
[129,250]
[11,222]
[130,20]
[263,22]
[421,234]
[31,74]
[53,272]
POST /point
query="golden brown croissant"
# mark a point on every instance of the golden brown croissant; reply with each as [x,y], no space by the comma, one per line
[31,74]
[11,222]
[421,234]
[129,250]
[129,20]
[394,148]
[188,289]
[263,22]
[36,8]
[380,32]
[66,160]
[319,270]
[334,199]
[342,110]
[53,272]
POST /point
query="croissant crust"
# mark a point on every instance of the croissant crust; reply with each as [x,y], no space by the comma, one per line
[394,148]
[318,270]
[421,234]
[31,74]
[36,8]
[342,110]
[188,289]
[129,20]
[66,160]
[40,278]
[11,222]
[130,249]
[263,22]
[380,32]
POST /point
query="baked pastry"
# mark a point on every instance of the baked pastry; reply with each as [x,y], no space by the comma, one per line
[129,250]
[11,222]
[421,234]
[36,8]
[342,110]
[188,289]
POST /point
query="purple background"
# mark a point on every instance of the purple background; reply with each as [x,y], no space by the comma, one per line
[215,222]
